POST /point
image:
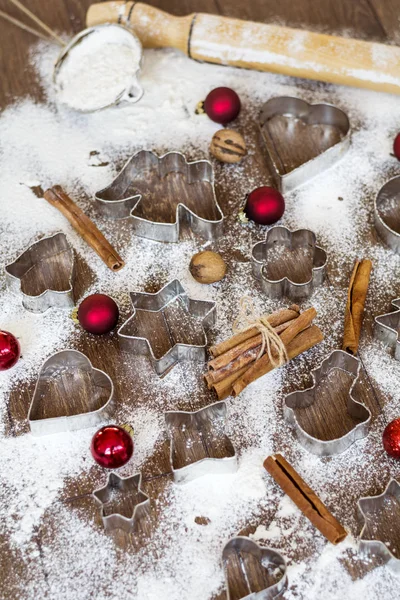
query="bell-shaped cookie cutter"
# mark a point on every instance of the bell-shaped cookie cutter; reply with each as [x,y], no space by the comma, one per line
[52,247]
[389,191]
[338,359]
[52,368]
[267,557]
[282,236]
[116,200]
[214,417]
[375,547]
[125,485]
[312,114]
[387,328]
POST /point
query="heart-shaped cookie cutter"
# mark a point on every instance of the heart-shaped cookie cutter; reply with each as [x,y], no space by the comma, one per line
[54,367]
[338,359]
[312,114]
[301,238]
[242,545]
[389,192]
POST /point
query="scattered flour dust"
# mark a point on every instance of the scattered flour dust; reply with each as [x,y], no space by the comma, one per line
[59,549]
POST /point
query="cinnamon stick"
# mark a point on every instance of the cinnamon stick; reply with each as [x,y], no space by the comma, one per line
[304,498]
[264,365]
[356,296]
[275,319]
[84,226]
[244,359]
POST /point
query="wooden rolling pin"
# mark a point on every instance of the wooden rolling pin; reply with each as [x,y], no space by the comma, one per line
[225,41]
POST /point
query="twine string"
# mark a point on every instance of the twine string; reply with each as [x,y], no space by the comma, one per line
[271,343]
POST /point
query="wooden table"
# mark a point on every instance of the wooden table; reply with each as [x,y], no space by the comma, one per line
[367,19]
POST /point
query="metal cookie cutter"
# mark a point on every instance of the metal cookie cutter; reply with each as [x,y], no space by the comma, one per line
[122,487]
[200,210]
[300,240]
[311,114]
[67,382]
[388,227]
[265,565]
[39,272]
[387,328]
[167,326]
[199,442]
[133,90]
[379,514]
[338,359]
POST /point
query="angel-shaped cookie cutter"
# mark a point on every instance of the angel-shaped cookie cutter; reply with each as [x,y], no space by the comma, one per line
[121,200]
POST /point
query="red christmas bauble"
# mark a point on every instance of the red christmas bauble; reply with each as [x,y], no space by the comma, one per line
[111,447]
[396,146]
[98,314]
[10,350]
[222,105]
[264,205]
[391,439]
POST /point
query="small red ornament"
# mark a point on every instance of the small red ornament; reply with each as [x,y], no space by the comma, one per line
[10,350]
[396,146]
[98,314]
[111,447]
[264,205]
[391,439]
[222,105]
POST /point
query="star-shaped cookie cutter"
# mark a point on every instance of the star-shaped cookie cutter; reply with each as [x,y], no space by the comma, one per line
[369,506]
[119,201]
[199,312]
[125,485]
[387,328]
[282,236]
[338,359]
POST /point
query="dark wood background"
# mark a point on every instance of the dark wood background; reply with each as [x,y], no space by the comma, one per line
[368,19]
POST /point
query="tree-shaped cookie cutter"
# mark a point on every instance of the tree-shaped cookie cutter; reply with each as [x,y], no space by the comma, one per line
[370,545]
[199,312]
[72,367]
[387,328]
[311,114]
[125,485]
[120,200]
[387,195]
[278,288]
[54,249]
[263,559]
[207,425]
[338,359]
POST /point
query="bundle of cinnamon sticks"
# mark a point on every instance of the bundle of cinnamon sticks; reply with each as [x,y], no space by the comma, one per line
[236,362]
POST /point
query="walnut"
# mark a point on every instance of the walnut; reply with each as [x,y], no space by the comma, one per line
[207,267]
[228,146]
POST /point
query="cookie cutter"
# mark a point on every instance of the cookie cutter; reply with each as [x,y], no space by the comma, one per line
[73,368]
[338,359]
[119,200]
[311,114]
[389,192]
[369,545]
[387,328]
[52,248]
[133,90]
[124,485]
[161,307]
[209,425]
[301,238]
[266,557]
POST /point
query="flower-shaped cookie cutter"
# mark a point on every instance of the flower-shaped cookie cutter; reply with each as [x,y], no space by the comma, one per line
[370,510]
[301,399]
[311,114]
[266,560]
[74,370]
[123,486]
[168,327]
[120,199]
[197,438]
[388,229]
[46,263]
[291,240]
[387,328]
